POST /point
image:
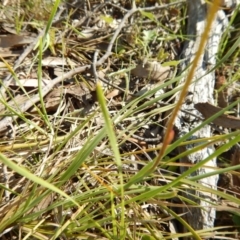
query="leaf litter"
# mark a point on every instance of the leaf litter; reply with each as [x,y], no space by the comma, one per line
[136,54]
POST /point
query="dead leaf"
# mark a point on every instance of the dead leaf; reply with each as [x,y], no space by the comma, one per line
[208,110]
[31,82]
[113,93]
[152,70]
[14,40]
[81,92]
[222,96]
[53,99]
[9,53]
[57,61]
[44,203]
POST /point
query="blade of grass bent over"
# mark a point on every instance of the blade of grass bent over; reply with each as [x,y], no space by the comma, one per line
[190,76]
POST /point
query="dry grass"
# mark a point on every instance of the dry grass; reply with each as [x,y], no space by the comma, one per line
[76,156]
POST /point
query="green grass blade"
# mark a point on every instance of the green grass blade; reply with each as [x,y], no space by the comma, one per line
[24,172]
[116,153]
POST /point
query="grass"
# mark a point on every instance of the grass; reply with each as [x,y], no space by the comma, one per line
[73,172]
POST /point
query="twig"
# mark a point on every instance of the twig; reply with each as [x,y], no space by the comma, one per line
[94,65]
[147,140]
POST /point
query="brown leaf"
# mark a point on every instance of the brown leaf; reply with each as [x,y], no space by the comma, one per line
[8,53]
[113,93]
[222,96]
[208,110]
[14,40]
[152,70]
[53,99]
